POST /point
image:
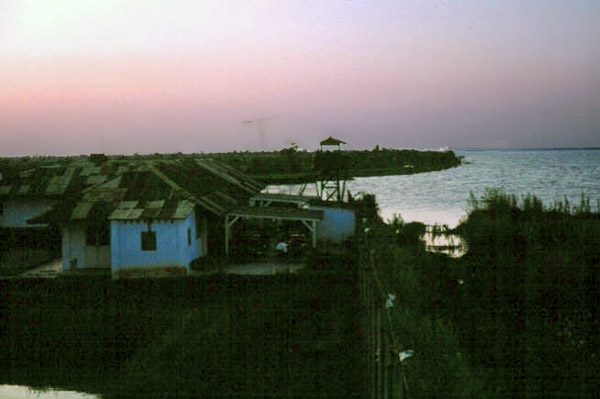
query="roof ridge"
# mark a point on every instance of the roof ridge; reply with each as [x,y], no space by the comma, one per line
[254,184]
[211,206]
[204,164]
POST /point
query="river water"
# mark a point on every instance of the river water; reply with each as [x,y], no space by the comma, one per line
[442,197]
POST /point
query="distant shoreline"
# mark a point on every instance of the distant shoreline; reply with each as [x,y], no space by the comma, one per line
[531,149]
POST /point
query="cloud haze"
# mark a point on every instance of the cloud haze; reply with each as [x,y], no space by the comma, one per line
[153,76]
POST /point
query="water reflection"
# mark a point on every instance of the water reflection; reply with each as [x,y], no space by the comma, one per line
[22,392]
[442,243]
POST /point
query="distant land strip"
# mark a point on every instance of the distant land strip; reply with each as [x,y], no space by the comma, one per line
[288,166]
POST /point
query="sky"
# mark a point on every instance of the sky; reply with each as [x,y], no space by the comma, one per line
[146,76]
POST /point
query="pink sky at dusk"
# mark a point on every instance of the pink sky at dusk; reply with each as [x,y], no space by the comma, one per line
[120,77]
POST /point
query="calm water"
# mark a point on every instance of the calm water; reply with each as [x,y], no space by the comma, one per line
[441,197]
[23,392]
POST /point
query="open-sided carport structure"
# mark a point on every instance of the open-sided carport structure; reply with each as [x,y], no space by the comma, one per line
[309,218]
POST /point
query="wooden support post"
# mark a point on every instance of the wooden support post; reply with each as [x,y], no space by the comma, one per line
[228,225]
[312,227]
[227,235]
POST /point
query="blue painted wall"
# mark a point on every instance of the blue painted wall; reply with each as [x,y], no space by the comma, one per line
[172,248]
[337,224]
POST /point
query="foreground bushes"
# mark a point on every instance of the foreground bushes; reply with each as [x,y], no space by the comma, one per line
[517,316]
[396,259]
[530,302]
[216,336]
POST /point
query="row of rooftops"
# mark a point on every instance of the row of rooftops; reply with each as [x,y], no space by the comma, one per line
[130,190]
[57,180]
[133,190]
[54,181]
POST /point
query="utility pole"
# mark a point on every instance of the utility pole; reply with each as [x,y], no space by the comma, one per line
[261,127]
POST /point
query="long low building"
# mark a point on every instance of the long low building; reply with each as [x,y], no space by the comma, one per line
[156,214]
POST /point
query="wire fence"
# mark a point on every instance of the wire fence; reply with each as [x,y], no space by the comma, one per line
[383,351]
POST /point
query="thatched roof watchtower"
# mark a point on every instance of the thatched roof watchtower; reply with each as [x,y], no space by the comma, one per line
[331,168]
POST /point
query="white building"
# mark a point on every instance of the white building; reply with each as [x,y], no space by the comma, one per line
[156,215]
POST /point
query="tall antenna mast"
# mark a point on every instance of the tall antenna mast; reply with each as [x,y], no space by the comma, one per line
[261,127]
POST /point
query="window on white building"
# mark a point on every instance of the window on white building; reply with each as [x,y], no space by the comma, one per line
[148,240]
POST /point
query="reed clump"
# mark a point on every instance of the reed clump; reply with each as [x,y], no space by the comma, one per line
[528,310]
[514,317]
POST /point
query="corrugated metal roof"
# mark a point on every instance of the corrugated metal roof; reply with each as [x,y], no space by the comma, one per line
[183,210]
[246,180]
[91,170]
[126,214]
[54,186]
[127,204]
[152,210]
[122,169]
[155,204]
[146,190]
[51,181]
[97,179]
[82,210]
[114,183]
[110,195]
[58,186]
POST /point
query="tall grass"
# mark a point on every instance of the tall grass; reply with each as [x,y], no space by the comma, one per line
[528,312]
[517,316]
[420,282]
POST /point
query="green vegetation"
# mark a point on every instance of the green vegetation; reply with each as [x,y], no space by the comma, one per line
[24,249]
[531,298]
[277,167]
[216,336]
[398,264]
[292,166]
[515,317]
